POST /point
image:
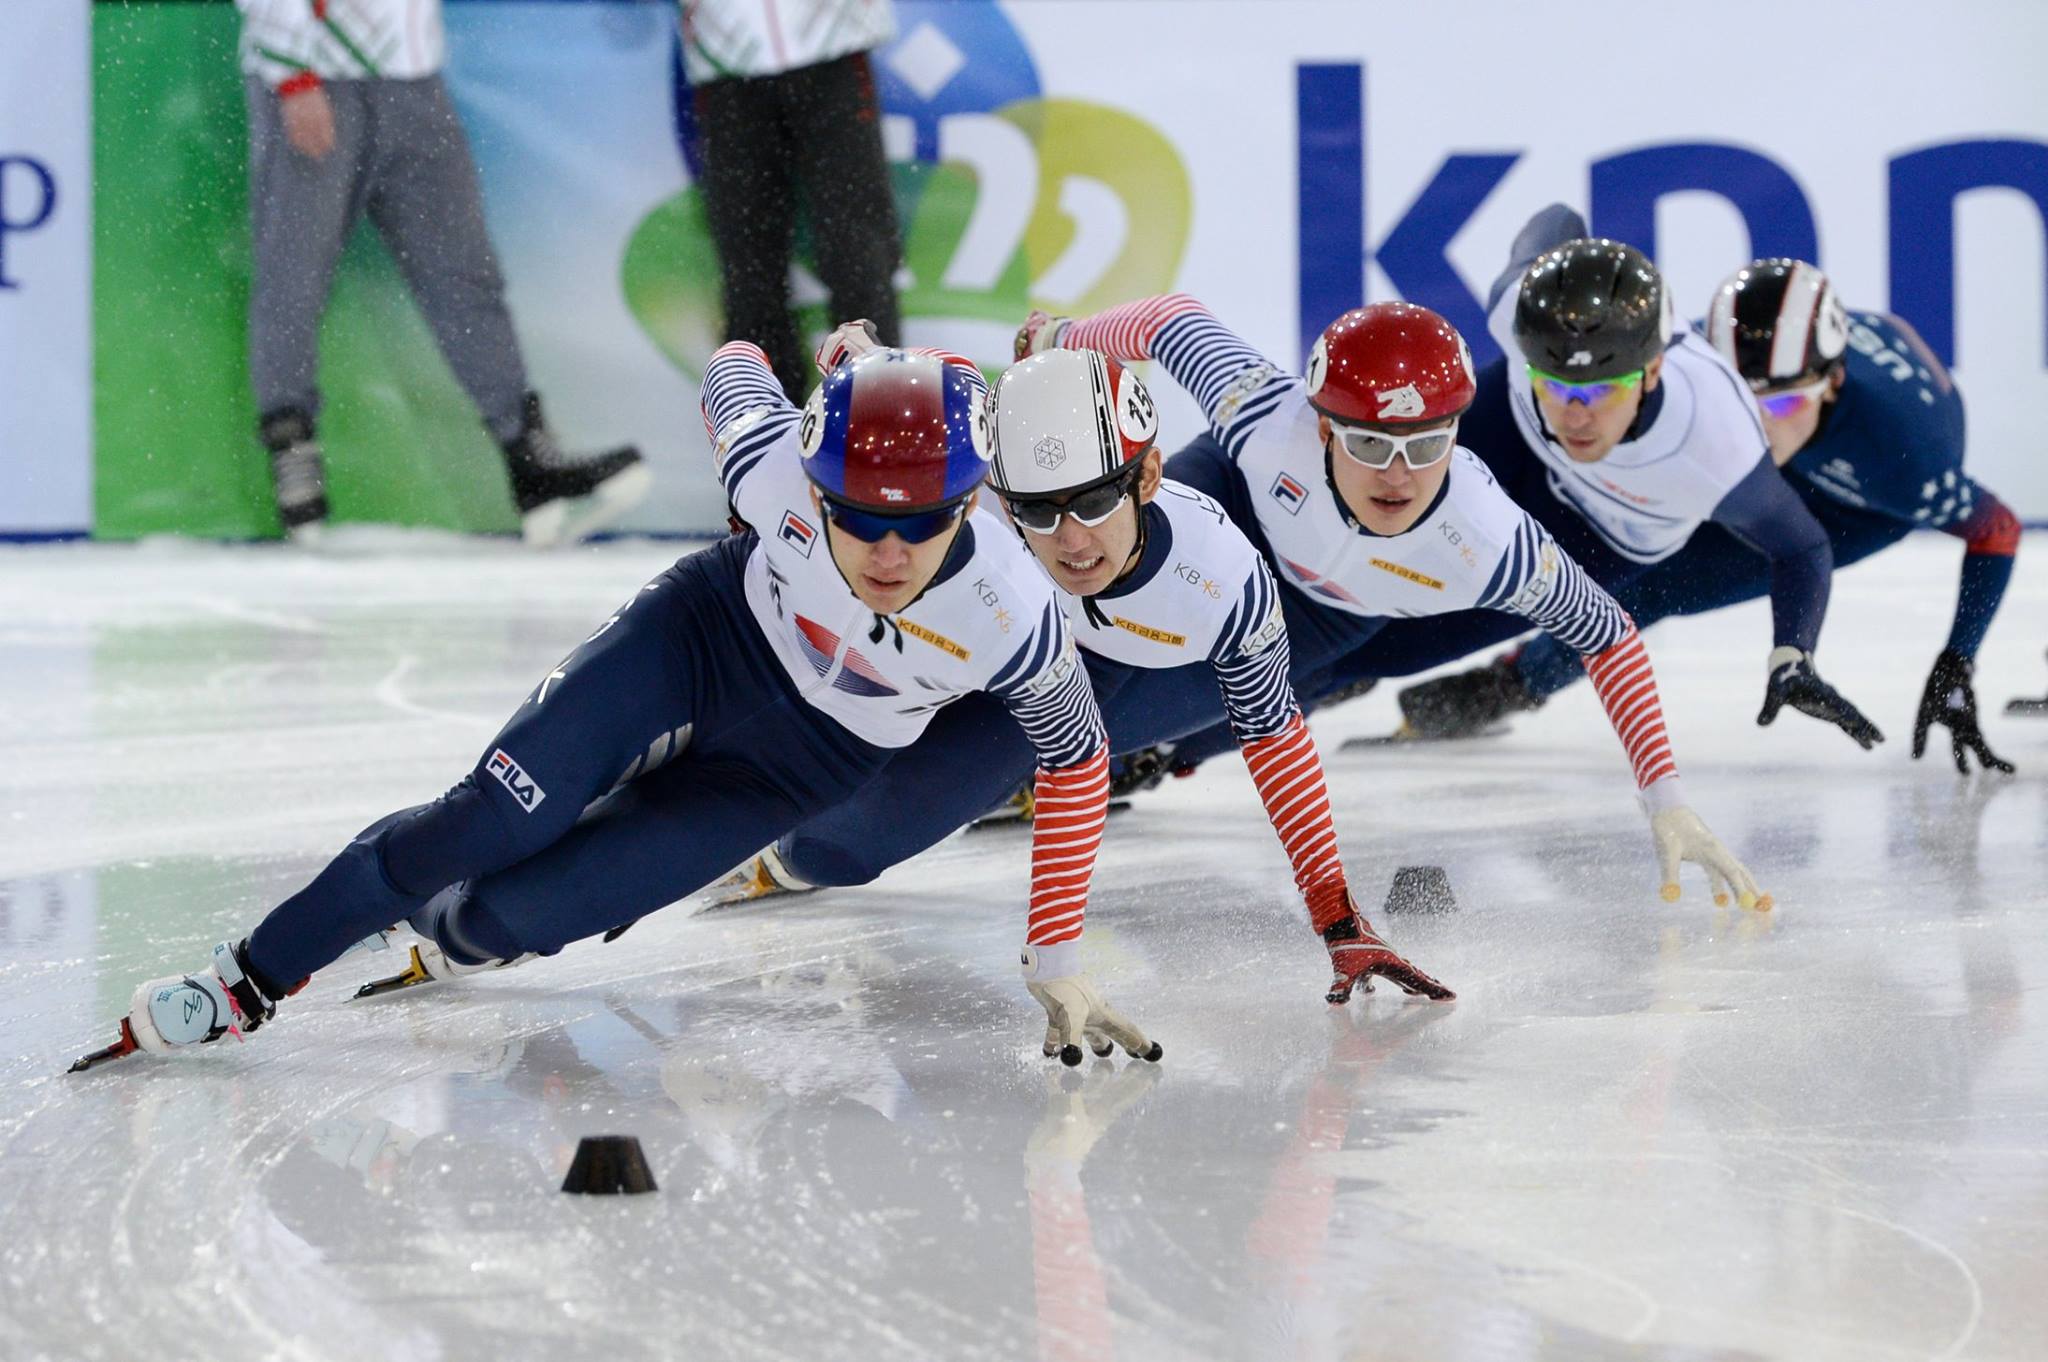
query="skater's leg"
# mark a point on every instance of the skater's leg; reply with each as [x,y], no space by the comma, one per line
[627,699]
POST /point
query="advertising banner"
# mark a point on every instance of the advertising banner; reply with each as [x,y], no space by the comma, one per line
[45,270]
[1282,160]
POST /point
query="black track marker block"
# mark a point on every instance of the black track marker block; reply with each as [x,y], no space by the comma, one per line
[1421,889]
[607,1165]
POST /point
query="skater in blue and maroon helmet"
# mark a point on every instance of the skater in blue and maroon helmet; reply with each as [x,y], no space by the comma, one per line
[753,684]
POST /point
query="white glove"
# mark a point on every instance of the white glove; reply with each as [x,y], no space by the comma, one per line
[850,341]
[1041,332]
[1074,1009]
[1682,836]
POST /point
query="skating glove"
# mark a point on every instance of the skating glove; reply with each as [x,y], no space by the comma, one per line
[1041,332]
[1074,1009]
[1357,954]
[1682,836]
[850,340]
[1950,702]
[1794,682]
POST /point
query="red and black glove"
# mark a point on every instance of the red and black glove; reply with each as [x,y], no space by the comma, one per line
[1357,953]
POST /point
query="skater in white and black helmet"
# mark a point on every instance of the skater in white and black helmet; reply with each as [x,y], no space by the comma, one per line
[1180,625]
[1867,426]
[755,683]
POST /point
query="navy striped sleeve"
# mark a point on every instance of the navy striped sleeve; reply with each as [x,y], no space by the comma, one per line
[1236,386]
[1252,660]
[1540,582]
[1046,688]
[745,411]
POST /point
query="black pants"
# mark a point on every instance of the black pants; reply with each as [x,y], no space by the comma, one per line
[815,132]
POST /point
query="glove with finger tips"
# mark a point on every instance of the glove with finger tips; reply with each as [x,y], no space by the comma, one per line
[1950,701]
[1074,1010]
[1794,682]
[1041,332]
[1357,954]
[1681,835]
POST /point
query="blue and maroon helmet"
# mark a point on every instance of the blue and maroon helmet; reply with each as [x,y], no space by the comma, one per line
[896,434]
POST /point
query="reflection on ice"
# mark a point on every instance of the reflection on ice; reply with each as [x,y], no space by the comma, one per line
[1644,1130]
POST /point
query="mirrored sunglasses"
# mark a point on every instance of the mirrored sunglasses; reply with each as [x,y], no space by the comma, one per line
[1041,515]
[1376,449]
[870,526]
[1788,401]
[1598,393]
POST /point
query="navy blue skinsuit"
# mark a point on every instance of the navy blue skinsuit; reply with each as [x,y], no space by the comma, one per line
[1886,459]
[678,690]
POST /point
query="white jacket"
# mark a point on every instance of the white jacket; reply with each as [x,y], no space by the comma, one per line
[299,42]
[723,38]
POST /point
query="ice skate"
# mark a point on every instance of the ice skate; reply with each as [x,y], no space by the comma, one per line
[1466,704]
[765,876]
[190,1009]
[430,964]
[563,497]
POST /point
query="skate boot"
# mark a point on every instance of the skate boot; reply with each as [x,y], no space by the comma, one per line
[194,1009]
[297,475]
[1141,770]
[563,497]
[1466,704]
[763,877]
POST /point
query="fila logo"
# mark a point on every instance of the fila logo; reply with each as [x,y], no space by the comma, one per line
[1401,404]
[1289,494]
[1580,358]
[523,787]
[796,533]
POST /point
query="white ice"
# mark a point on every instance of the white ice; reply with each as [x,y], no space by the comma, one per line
[1642,1131]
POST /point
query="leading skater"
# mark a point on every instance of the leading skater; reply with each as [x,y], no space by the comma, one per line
[751,685]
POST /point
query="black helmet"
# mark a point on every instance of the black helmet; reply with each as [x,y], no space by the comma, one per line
[1591,309]
[1778,320]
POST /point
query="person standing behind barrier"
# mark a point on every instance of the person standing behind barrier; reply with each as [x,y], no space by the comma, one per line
[348,115]
[786,107]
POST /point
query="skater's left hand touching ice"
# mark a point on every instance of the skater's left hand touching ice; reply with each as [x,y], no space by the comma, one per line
[1950,700]
[1074,1009]
[1681,835]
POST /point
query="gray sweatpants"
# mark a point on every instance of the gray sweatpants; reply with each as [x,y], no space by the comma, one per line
[399,154]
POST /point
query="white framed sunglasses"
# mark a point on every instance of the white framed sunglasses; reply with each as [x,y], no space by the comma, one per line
[1377,449]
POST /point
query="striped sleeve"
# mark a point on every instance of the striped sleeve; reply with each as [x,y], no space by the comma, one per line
[1540,582]
[745,411]
[1628,691]
[1289,776]
[1046,687]
[1252,660]
[1235,385]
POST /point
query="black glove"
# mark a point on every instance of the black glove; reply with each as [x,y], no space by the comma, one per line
[1794,682]
[1948,700]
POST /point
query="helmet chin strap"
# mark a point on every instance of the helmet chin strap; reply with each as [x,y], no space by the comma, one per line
[1089,608]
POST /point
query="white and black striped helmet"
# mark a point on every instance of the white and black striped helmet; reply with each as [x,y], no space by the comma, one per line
[1778,320]
[1066,420]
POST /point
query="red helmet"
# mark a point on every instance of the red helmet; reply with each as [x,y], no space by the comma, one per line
[1390,364]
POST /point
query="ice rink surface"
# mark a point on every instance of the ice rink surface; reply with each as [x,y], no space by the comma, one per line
[1643,1130]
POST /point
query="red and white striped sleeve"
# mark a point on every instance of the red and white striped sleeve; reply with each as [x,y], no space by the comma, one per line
[1072,804]
[1628,689]
[1289,776]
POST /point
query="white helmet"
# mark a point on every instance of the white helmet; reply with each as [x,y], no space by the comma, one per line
[1067,419]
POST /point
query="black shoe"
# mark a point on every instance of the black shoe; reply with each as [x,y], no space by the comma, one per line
[297,475]
[1468,703]
[563,497]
